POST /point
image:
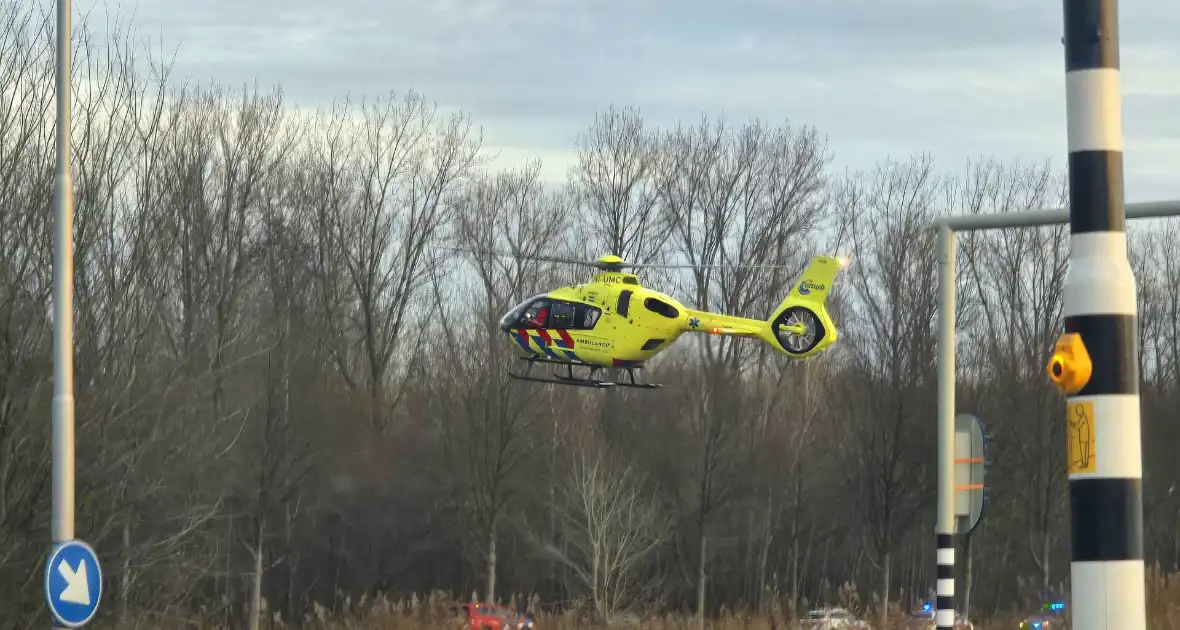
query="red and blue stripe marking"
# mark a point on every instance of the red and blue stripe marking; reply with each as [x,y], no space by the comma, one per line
[546,342]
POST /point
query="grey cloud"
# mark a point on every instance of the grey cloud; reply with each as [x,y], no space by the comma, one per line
[959,78]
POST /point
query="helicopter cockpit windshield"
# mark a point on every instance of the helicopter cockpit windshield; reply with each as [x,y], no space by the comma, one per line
[543,312]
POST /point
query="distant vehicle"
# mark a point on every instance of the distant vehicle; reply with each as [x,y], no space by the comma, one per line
[834,618]
[489,617]
[1050,617]
[923,619]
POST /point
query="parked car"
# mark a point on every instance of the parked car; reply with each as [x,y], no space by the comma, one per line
[489,617]
[923,619]
[1050,617]
[834,618]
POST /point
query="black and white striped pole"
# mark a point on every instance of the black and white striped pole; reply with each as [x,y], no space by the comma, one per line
[961,464]
[944,606]
[1095,362]
[944,592]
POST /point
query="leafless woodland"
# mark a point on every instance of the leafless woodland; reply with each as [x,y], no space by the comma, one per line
[291,390]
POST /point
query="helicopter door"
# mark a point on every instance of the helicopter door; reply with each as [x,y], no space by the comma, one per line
[573,316]
[561,316]
[572,327]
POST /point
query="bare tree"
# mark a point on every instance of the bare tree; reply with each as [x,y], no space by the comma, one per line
[510,213]
[402,164]
[889,332]
[790,403]
[744,197]
[610,525]
[486,420]
[120,132]
[614,186]
[1153,252]
[221,147]
[275,455]
[1016,279]
[25,285]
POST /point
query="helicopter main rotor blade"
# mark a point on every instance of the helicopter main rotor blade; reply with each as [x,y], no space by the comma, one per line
[600,264]
[687,266]
[842,260]
[552,259]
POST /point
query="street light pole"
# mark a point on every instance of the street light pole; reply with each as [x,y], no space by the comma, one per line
[944,608]
[63,289]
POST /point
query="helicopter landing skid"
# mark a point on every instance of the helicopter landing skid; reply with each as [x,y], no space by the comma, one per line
[556,378]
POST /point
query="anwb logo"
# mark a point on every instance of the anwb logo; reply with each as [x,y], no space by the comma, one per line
[808,286]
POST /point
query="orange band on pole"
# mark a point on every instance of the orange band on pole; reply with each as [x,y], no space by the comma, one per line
[969,460]
[974,486]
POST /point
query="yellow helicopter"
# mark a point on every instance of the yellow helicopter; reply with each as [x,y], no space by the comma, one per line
[613,322]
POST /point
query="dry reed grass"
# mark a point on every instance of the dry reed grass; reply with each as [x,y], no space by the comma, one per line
[435,613]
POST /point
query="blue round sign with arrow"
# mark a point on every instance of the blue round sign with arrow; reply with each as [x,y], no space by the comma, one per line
[73,583]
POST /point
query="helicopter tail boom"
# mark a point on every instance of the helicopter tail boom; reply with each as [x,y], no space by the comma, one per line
[800,326]
[718,324]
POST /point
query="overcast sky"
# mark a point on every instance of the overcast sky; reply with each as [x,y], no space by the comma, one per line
[959,78]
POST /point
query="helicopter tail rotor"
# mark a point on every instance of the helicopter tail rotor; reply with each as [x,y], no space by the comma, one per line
[801,325]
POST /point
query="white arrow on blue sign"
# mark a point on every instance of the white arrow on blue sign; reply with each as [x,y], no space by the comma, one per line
[73,583]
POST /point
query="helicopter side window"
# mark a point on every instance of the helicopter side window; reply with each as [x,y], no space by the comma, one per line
[561,315]
[537,315]
[624,302]
[531,313]
[661,307]
[587,316]
[572,316]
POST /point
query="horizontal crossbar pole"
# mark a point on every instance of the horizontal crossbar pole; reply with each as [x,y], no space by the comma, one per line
[1056,216]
